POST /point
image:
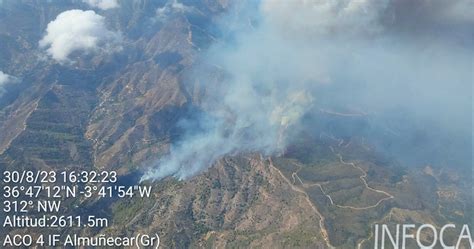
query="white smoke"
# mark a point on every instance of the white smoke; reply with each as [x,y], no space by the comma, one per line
[275,66]
[321,17]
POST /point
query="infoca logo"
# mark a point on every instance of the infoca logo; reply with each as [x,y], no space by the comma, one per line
[423,236]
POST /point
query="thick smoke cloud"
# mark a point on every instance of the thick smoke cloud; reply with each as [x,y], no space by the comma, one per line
[347,17]
[102,4]
[296,57]
[78,31]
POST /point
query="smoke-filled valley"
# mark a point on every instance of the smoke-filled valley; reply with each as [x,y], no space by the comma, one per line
[355,57]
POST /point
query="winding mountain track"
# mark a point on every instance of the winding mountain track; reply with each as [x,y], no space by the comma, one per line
[362,177]
[324,232]
[358,114]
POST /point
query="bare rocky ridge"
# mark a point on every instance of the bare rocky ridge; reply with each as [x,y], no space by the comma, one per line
[242,201]
[250,201]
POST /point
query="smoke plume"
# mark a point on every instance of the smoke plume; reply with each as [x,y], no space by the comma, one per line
[281,60]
